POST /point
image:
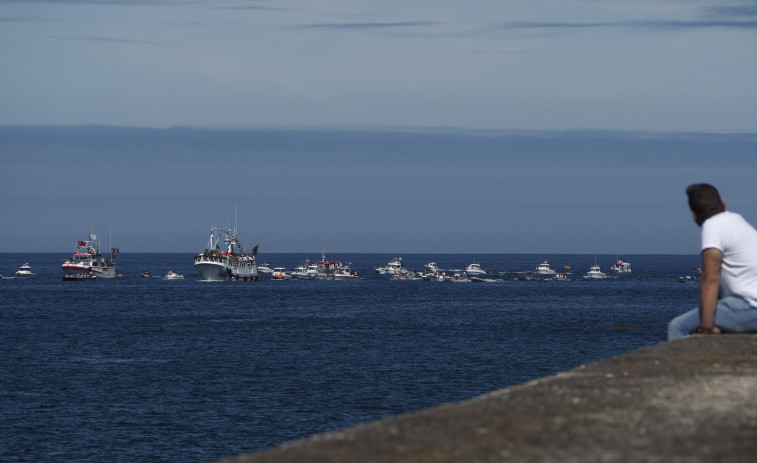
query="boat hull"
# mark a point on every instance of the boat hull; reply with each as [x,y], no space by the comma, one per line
[97,271]
[216,271]
[620,270]
[78,277]
[595,275]
[210,271]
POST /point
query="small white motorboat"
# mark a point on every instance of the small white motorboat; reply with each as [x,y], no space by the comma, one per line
[265,267]
[300,271]
[475,269]
[431,267]
[280,273]
[460,277]
[414,275]
[344,273]
[595,272]
[313,271]
[25,271]
[172,275]
[394,267]
[543,269]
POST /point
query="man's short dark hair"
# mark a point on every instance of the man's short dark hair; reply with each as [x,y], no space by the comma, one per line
[704,201]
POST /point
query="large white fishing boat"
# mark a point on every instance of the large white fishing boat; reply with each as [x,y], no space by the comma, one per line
[87,261]
[231,264]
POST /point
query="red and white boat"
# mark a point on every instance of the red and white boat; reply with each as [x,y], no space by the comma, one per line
[328,266]
[87,261]
[621,266]
[280,273]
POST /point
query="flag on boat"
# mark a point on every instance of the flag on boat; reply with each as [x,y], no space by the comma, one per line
[81,243]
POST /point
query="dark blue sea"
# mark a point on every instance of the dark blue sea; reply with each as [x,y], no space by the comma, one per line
[153,370]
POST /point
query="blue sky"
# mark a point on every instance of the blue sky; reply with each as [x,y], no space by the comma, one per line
[531,64]
[482,126]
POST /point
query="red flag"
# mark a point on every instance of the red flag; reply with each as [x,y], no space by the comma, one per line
[81,243]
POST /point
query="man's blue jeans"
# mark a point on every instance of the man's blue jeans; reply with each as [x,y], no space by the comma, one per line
[733,315]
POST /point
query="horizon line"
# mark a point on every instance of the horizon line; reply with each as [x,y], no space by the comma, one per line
[401,253]
[431,129]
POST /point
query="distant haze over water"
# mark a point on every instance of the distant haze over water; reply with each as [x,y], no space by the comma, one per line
[365,190]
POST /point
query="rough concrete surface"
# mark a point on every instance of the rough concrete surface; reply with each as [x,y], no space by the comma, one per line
[692,400]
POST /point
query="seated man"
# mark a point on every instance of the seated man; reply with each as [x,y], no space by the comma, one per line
[728,286]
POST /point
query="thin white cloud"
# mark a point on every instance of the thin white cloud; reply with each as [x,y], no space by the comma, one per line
[369,25]
[104,39]
[657,24]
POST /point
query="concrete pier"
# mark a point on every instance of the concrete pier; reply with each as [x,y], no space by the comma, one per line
[692,400]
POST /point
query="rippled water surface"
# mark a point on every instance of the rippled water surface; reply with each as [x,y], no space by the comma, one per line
[139,369]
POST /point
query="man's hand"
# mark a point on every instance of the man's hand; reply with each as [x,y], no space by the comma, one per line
[713,330]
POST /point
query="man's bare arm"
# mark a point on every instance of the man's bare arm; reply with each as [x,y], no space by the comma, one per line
[709,286]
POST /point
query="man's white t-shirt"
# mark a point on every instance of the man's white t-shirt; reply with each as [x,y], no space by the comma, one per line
[737,240]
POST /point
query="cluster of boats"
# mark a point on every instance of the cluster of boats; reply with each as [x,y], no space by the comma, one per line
[431,272]
[171,275]
[692,277]
[214,264]
[225,259]
[594,272]
[474,271]
[323,269]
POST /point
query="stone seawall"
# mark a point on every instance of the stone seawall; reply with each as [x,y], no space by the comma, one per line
[692,400]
